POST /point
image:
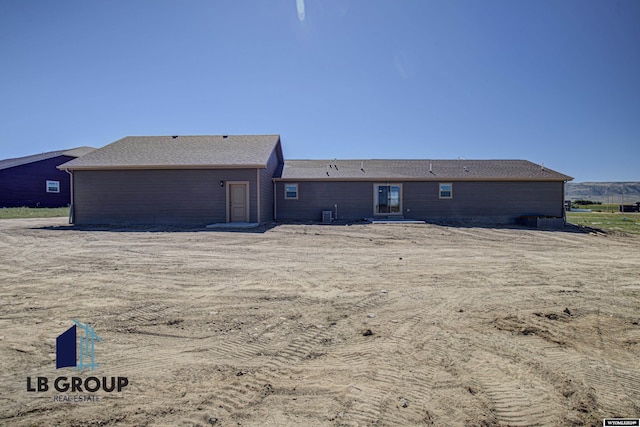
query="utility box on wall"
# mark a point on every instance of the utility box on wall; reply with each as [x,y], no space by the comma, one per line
[327,217]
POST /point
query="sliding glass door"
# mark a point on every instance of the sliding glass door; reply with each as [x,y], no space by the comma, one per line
[387,199]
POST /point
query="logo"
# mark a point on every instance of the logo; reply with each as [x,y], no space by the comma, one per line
[67,348]
[621,422]
[77,351]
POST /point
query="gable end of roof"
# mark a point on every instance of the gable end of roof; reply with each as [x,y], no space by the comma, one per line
[181,152]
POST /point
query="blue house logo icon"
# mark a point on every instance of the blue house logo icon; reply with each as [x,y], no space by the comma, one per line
[68,347]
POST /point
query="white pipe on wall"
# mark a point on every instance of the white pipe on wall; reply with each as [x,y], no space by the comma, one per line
[275,198]
[71,206]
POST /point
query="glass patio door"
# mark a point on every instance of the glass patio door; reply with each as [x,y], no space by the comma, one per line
[387,199]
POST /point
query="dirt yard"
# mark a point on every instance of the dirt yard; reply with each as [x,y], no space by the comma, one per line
[311,325]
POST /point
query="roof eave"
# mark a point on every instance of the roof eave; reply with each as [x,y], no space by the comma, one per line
[425,179]
[164,167]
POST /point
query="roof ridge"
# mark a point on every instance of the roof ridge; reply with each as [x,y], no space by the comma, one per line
[187,151]
[199,135]
[420,169]
[413,160]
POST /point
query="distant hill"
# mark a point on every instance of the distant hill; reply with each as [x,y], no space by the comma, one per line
[612,192]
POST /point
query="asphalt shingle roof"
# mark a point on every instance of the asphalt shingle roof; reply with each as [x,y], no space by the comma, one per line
[146,152]
[19,161]
[435,170]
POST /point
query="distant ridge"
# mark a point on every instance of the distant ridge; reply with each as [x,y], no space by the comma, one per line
[612,192]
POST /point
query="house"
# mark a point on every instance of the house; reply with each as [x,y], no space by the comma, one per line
[222,179]
[35,181]
[492,191]
[176,180]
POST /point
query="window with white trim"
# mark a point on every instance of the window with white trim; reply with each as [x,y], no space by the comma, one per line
[446,191]
[53,186]
[291,191]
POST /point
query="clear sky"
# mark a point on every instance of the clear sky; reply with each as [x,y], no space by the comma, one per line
[553,81]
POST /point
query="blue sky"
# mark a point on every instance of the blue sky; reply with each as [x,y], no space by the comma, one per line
[548,81]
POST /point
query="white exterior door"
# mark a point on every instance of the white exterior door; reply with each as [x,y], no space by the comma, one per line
[238,203]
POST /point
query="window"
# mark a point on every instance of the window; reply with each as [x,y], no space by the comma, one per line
[291,191]
[387,199]
[53,186]
[446,191]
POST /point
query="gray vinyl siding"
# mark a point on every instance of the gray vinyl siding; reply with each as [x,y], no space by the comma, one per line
[499,202]
[266,187]
[354,200]
[157,196]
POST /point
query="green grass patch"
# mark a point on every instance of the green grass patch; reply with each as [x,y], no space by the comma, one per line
[8,213]
[617,221]
[599,208]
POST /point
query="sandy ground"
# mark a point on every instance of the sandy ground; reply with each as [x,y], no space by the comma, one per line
[311,325]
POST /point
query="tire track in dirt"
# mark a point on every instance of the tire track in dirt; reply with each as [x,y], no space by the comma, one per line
[355,360]
[7,240]
[614,380]
[363,403]
[423,353]
[406,398]
[300,348]
[312,340]
[233,398]
[371,301]
[362,406]
[141,315]
[587,384]
[544,352]
[615,386]
[475,233]
[22,251]
[236,348]
[513,401]
[629,379]
[590,386]
[401,384]
[246,390]
[252,388]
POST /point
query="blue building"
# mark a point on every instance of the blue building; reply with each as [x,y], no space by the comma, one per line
[35,181]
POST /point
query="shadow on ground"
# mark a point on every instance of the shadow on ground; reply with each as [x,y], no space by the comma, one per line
[568,228]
